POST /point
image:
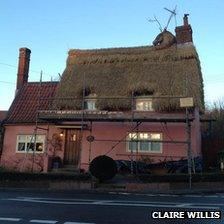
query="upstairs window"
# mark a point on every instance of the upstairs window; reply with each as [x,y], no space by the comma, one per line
[140,142]
[144,104]
[90,102]
[28,143]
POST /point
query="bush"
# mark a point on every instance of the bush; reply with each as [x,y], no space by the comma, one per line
[2,169]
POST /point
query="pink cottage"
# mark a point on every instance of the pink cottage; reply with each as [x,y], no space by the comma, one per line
[119,102]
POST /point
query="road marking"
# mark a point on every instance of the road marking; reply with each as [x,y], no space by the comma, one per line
[120,203]
[115,202]
[211,196]
[43,221]
[124,193]
[191,196]
[54,199]
[183,205]
[98,203]
[10,219]
[89,201]
[78,223]
[149,195]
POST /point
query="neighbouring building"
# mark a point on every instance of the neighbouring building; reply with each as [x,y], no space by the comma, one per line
[2,118]
[119,102]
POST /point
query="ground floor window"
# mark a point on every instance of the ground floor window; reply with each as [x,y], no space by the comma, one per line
[141,142]
[30,143]
[144,104]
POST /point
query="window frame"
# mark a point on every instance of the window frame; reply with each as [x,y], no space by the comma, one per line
[27,141]
[138,142]
[144,100]
[92,99]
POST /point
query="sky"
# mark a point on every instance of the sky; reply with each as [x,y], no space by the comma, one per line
[51,27]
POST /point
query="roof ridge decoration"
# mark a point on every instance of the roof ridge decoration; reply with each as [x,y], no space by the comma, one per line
[114,56]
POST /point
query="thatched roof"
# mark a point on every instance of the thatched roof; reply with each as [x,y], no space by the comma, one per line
[118,72]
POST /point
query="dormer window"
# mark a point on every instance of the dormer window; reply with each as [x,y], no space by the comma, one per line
[90,102]
[143,104]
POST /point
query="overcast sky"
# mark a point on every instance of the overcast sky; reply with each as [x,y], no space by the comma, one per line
[51,27]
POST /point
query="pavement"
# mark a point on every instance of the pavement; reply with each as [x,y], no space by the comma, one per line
[96,191]
[78,207]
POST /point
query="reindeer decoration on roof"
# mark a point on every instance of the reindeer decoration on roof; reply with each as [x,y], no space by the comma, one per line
[165,39]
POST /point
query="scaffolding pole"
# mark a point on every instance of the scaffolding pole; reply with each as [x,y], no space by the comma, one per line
[36,122]
[188,136]
[90,143]
[132,120]
[189,153]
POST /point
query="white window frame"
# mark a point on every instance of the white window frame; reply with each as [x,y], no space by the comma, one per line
[143,101]
[90,99]
[30,139]
[138,139]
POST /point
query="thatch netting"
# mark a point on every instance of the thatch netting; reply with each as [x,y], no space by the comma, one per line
[118,72]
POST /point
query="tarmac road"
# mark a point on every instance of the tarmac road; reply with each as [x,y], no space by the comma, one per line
[76,207]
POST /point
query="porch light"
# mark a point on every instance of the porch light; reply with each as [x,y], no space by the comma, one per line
[61,134]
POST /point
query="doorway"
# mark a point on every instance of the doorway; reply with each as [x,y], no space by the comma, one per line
[72,147]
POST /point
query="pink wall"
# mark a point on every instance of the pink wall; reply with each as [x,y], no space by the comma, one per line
[101,131]
[116,131]
[23,161]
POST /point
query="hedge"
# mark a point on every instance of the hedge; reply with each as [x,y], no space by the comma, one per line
[198,177]
[17,176]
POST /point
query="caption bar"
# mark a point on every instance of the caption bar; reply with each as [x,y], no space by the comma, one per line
[186,214]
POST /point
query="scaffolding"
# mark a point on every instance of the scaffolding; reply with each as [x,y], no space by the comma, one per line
[88,119]
[33,138]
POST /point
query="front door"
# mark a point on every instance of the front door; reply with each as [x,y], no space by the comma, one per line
[72,147]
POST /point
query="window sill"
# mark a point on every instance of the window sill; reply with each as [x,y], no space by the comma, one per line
[144,152]
[143,110]
[23,152]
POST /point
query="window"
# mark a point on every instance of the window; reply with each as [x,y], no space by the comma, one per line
[141,142]
[90,102]
[28,143]
[144,104]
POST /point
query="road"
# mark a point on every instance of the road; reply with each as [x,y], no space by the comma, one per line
[39,206]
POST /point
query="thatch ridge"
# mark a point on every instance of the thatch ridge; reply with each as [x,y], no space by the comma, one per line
[121,71]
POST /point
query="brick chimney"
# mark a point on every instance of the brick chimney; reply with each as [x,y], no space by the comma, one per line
[23,67]
[184,33]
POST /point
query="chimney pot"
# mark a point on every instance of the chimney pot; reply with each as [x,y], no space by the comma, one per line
[184,32]
[23,67]
[186,19]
